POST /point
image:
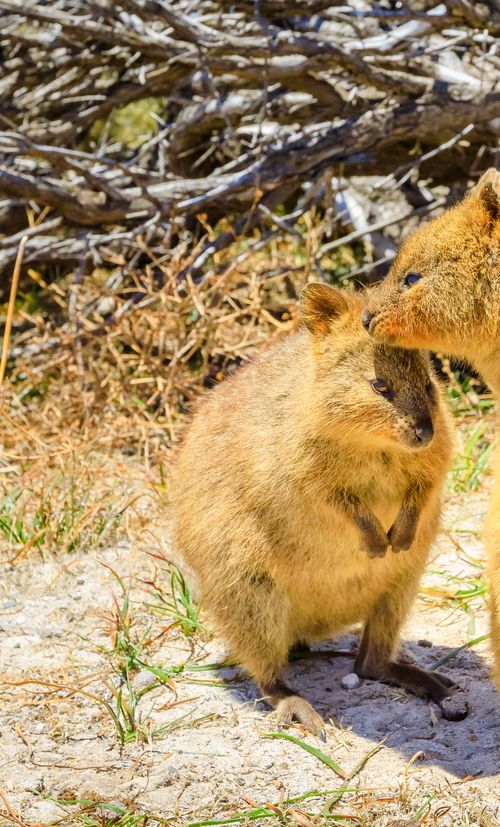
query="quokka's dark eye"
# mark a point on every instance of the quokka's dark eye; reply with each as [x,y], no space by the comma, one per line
[411,278]
[379,386]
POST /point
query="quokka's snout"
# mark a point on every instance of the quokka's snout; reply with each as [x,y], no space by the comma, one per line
[423,433]
[408,395]
[416,432]
[422,424]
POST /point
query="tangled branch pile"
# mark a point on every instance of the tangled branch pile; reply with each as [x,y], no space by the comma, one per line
[256,101]
[181,168]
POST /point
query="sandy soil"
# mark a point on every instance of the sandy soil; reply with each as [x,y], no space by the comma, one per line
[57,744]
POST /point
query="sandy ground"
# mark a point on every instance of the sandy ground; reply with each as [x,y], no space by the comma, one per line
[58,744]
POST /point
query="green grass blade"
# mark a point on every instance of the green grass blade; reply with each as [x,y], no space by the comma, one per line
[455,652]
[335,798]
[311,750]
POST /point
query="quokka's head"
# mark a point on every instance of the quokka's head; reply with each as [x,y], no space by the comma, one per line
[377,395]
[443,289]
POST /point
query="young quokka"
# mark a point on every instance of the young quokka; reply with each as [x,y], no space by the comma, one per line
[443,293]
[306,498]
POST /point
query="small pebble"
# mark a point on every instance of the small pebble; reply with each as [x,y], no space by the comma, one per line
[425,643]
[350,681]
[8,604]
[106,306]
[36,785]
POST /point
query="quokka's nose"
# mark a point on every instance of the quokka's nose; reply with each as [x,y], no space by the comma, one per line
[423,433]
[366,318]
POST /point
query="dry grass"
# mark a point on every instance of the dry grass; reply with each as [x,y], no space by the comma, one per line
[122,355]
[102,371]
[58,497]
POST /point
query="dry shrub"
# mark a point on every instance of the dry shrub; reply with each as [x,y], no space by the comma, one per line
[121,354]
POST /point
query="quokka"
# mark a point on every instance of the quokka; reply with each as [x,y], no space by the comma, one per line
[307,495]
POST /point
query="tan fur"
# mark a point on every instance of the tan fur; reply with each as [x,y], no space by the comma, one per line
[262,489]
[455,307]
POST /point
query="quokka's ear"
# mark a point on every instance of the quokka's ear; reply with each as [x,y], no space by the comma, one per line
[320,304]
[488,192]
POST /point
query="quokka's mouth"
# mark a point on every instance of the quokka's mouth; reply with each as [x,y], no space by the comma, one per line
[376,330]
[370,322]
[367,318]
[416,439]
[412,444]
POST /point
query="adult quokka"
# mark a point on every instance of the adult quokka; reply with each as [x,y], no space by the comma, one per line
[307,495]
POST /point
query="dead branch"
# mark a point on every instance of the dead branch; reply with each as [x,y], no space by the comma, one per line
[257,102]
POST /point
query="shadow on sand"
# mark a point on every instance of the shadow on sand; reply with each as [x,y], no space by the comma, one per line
[374,711]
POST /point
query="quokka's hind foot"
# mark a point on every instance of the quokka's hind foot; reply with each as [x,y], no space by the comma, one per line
[298,709]
[374,657]
[441,689]
[438,687]
[289,706]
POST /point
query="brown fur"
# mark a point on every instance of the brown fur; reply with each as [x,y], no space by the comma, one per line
[293,472]
[455,307]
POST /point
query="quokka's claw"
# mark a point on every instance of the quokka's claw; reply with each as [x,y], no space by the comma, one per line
[295,707]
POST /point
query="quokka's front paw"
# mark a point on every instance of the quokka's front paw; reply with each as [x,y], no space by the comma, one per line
[402,534]
[375,543]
